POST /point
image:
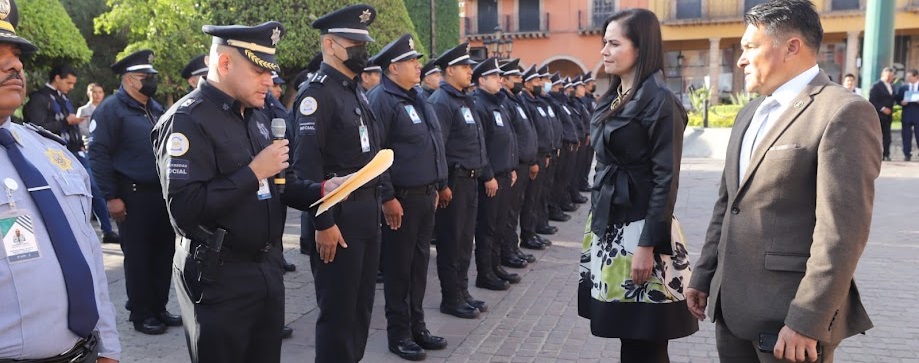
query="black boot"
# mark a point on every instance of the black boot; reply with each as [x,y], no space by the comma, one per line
[546,229]
[491,282]
[502,274]
[532,243]
[407,349]
[478,304]
[524,256]
[459,308]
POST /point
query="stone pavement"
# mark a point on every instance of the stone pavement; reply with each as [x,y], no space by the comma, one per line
[536,320]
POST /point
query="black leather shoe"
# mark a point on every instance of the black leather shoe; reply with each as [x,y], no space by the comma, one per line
[491,283]
[907,158]
[168,319]
[407,349]
[568,207]
[287,332]
[459,309]
[150,326]
[513,261]
[558,217]
[289,267]
[477,304]
[524,256]
[546,229]
[886,158]
[580,199]
[501,273]
[545,241]
[111,237]
[428,341]
[532,243]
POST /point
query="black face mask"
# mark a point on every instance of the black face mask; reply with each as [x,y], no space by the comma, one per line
[593,88]
[517,88]
[357,58]
[148,86]
[536,90]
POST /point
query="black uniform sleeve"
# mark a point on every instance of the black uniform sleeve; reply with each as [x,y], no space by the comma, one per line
[488,127]
[104,141]
[196,192]
[445,117]
[307,158]
[383,111]
[38,111]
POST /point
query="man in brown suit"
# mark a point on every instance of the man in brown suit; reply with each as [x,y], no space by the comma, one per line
[795,201]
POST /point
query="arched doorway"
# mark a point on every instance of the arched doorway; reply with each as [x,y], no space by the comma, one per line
[566,67]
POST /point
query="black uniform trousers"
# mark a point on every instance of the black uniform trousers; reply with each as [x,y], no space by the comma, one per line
[239,316]
[345,287]
[148,244]
[564,168]
[492,215]
[885,135]
[531,213]
[508,232]
[548,183]
[454,228]
[406,251]
[582,167]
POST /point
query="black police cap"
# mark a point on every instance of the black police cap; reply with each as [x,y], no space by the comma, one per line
[276,79]
[530,74]
[9,20]
[544,71]
[257,43]
[487,67]
[511,67]
[140,61]
[455,56]
[195,68]
[589,77]
[429,68]
[401,49]
[556,79]
[350,22]
[314,63]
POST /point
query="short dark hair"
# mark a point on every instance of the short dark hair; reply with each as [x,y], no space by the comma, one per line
[914,72]
[848,75]
[780,17]
[63,71]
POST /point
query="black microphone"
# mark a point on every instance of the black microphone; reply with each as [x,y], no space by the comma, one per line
[278,129]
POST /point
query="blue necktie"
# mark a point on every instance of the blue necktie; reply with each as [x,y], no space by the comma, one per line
[82,314]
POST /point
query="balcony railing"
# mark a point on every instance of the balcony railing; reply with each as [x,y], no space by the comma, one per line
[677,12]
[509,24]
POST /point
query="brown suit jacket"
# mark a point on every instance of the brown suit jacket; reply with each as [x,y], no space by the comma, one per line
[783,243]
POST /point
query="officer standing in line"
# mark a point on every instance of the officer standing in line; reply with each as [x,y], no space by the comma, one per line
[123,163]
[337,135]
[498,175]
[575,103]
[430,78]
[312,67]
[587,98]
[54,293]
[527,168]
[552,166]
[466,156]
[217,162]
[559,201]
[573,109]
[194,71]
[409,194]
[531,211]
[371,76]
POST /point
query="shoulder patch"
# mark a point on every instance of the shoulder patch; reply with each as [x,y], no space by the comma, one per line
[188,105]
[308,106]
[178,144]
[319,77]
[44,132]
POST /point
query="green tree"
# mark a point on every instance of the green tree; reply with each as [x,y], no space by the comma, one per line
[47,24]
[302,41]
[446,19]
[104,46]
[171,28]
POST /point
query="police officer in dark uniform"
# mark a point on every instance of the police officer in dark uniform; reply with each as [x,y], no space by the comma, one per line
[194,71]
[311,68]
[559,201]
[532,209]
[123,163]
[577,107]
[409,195]
[337,135]
[564,98]
[430,78]
[217,163]
[588,99]
[527,169]
[497,176]
[466,158]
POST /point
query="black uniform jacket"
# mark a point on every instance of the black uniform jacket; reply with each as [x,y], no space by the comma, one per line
[203,149]
[120,150]
[638,162]
[410,128]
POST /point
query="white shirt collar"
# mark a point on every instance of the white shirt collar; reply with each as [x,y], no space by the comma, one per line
[788,91]
[50,86]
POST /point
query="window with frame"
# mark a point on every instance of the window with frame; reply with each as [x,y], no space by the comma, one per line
[600,11]
[845,5]
[528,15]
[749,4]
[688,9]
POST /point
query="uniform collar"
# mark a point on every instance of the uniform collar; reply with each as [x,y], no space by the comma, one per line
[222,100]
[130,101]
[493,100]
[393,88]
[451,90]
[337,77]
[508,94]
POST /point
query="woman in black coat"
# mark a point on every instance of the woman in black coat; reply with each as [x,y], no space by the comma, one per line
[634,264]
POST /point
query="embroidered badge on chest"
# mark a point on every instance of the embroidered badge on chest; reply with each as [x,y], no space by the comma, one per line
[59,159]
[178,144]
[308,106]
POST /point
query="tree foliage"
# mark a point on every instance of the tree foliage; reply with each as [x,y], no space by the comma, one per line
[446,22]
[104,47]
[302,41]
[47,24]
[171,28]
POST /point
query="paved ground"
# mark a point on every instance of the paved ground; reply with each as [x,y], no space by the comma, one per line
[536,320]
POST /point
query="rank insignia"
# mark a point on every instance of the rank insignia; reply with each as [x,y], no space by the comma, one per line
[58,158]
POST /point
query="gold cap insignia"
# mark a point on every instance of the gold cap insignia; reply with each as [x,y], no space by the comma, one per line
[275,36]
[4,9]
[365,16]
[58,158]
[411,44]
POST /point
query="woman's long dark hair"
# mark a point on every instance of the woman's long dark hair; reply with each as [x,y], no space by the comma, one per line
[643,29]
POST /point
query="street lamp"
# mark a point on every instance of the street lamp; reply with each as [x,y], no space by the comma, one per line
[498,44]
[679,63]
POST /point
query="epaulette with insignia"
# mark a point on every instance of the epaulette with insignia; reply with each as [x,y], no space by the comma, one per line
[188,104]
[319,77]
[44,132]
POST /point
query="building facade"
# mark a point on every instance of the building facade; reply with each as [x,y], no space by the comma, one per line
[701,37]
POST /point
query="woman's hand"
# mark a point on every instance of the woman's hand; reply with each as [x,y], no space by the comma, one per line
[642,264]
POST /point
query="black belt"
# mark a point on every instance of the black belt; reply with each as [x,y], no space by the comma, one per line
[365,193]
[85,351]
[229,254]
[133,186]
[462,172]
[423,189]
